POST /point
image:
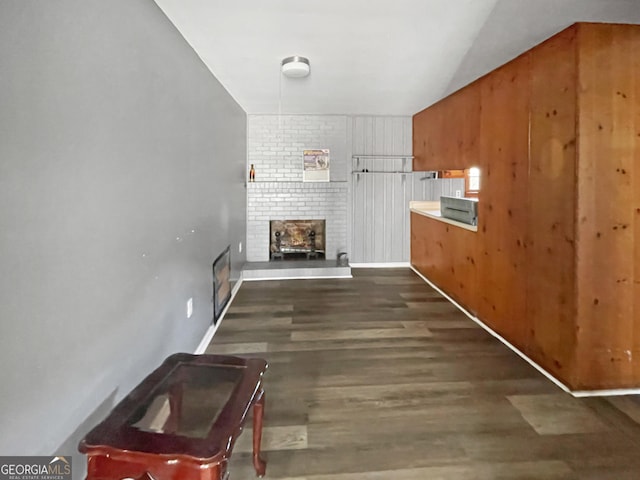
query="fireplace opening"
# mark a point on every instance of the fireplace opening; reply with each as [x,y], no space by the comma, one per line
[296,239]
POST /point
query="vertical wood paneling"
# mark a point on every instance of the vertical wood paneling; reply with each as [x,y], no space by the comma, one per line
[609,166]
[446,254]
[391,196]
[374,135]
[406,217]
[575,221]
[503,198]
[400,129]
[358,217]
[380,226]
[393,242]
[636,223]
[379,141]
[424,130]
[433,189]
[446,134]
[368,238]
[550,238]
[380,203]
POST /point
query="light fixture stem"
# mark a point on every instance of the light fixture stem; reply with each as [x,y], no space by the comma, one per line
[279,100]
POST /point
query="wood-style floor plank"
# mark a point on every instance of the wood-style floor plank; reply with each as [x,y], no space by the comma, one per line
[379,377]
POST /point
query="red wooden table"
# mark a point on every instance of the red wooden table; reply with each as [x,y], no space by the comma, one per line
[181,422]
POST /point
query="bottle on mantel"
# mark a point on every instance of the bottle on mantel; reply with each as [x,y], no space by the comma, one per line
[252,174]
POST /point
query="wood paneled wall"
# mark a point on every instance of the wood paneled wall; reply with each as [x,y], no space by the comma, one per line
[504,144]
[557,254]
[447,255]
[608,265]
[448,137]
[551,224]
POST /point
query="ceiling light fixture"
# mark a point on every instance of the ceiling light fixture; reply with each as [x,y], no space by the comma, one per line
[295,67]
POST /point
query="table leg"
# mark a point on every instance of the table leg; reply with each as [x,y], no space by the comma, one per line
[258,411]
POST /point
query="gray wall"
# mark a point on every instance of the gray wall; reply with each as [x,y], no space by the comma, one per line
[122,164]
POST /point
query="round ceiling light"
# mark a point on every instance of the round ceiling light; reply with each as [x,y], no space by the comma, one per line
[295,67]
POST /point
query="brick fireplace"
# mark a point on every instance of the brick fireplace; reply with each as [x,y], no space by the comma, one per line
[275,145]
[269,201]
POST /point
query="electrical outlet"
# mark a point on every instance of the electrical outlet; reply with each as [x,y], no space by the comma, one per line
[240,247]
[458,193]
[190,307]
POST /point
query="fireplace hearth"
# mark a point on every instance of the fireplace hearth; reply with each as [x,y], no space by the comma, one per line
[296,239]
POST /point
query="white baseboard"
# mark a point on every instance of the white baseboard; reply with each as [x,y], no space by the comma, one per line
[605,393]
[206,339]
[558,383]
[261,279]
[380,265]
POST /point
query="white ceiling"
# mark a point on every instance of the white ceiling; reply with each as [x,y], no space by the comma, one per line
[375,57]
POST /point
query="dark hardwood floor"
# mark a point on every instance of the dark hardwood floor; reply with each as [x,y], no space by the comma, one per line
[379,377]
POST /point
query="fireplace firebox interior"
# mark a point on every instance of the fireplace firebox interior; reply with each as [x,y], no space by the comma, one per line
[296,239]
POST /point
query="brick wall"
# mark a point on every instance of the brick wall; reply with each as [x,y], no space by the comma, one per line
[299,201]
[274,146]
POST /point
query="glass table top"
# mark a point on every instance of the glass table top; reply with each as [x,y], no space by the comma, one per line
[188,401]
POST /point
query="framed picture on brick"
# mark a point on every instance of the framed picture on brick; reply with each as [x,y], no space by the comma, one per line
[315,165]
